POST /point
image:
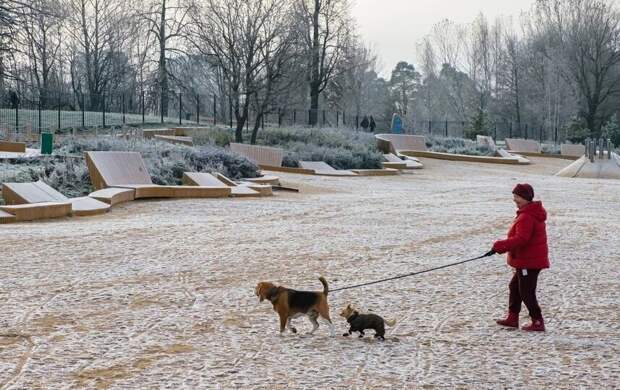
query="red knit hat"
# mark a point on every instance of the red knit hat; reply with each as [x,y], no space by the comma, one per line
[525,191]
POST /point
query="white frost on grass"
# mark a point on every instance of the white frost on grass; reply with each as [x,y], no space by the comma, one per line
[160,293]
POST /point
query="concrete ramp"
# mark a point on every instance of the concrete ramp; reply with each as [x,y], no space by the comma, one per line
[606,168]
[523,145]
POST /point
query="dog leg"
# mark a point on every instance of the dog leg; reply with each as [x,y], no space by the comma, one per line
[313,319]
[361,334]
[283,321]
[348,334]
[290,327]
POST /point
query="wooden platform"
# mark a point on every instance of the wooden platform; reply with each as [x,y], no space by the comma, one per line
[151,133]
[409,163]
[466,158]
[321,168]
[114,196]
[572,150]
[14,147]
[261,155]
[39,192]
[267,180]
[127,170]
[143,191]
[397,143]
[87,206]
[207,179]
[29,153]
[6,217]
[176,139]
[376,172]
[35,211]
[523,145]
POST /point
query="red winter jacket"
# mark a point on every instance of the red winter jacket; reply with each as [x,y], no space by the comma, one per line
[527,239]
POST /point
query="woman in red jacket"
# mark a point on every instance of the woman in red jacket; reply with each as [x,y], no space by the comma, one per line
[528,254]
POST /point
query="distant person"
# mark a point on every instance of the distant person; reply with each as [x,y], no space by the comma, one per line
[528,254]
[365,123]
[373,125]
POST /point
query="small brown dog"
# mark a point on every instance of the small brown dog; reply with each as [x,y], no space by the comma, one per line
[360,322]
[289,304]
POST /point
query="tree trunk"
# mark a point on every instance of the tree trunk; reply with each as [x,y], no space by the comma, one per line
[163,73]
[315,83]
[257,122]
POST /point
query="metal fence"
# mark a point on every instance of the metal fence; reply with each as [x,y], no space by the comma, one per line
[20,118]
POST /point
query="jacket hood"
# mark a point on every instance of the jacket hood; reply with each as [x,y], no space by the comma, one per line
[535,209]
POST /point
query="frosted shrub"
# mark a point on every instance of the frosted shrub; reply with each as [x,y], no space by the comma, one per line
[67,172]
[456,146]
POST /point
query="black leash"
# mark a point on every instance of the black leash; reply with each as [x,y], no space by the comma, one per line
[412,273]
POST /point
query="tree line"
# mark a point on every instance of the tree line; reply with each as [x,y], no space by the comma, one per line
[557,65]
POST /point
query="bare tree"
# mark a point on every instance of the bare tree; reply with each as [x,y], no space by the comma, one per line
[42,37]
[584,37]
[234,34]
[325,28]
[167,21]
[99,31]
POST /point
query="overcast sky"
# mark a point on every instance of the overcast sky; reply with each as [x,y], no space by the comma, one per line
[393,27]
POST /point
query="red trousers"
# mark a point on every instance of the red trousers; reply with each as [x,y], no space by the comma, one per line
[523,289]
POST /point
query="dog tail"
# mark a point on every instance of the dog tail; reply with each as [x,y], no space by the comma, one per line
[325,286]
[390,323]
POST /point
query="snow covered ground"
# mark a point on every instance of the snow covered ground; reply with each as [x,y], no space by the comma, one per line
[159,294]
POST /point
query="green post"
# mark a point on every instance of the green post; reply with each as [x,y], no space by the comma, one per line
[47,143]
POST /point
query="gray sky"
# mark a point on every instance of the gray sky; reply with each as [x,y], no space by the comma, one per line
[393,27]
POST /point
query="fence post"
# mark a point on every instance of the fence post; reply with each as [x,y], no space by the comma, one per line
[337,118]
[83,112]
[541,135]
[357,122]
[446,128]
[323,118]
[180,109]
[310,118]
[555,136]
[161,107]
[510,133]
[123,108]
[16,117]
[463,129]
[102,110]
[430,127]
[262,121]
[344,118]
[279,118]
[143,109]
[58,102]
[495,131]
[526,131]
[294,117]
[39,110]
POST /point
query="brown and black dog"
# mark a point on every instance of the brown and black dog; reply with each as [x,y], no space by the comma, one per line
[289,304]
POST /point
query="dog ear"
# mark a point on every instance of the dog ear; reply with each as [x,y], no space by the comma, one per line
[272,293]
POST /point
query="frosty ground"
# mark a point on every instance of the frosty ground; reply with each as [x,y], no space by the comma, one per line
[160,293]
